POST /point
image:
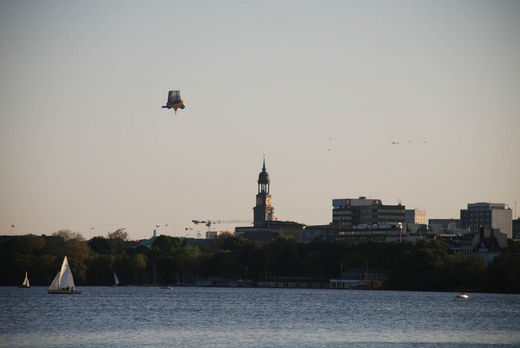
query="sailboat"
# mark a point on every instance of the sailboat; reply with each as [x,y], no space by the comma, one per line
[63,282]
[25,283]
[116,281]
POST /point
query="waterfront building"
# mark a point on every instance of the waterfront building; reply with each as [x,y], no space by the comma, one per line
[362,211]
[355,234]
[415,216]
[357,220]
[325,233]
[296,282]
[361,278]
[365,233]
[489,216]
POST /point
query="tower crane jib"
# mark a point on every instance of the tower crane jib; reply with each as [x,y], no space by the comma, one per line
[212,222]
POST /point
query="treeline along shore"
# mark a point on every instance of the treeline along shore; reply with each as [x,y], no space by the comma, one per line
[420,266]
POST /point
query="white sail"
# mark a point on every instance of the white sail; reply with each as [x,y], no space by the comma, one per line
[66,279]
[63,278]
[26,281]
[55,282]
[116,279]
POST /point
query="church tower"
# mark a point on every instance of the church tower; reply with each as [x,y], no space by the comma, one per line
[263,211]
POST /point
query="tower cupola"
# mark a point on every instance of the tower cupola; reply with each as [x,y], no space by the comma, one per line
[263,180]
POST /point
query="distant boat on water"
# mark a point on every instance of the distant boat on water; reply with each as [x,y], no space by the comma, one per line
[116,281]
[63,282]
[25,283]
[464,296]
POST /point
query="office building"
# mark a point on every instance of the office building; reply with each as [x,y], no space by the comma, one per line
[488,216]
[415,216]
[362,211]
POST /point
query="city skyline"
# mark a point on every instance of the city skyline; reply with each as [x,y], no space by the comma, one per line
[400,101]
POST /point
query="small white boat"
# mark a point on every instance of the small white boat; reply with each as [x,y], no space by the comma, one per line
[25,283]
[464,296]
[63,282]
[116,281]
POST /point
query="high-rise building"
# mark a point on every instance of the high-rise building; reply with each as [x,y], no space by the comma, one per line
[489,216]
[362,211]
[415,216]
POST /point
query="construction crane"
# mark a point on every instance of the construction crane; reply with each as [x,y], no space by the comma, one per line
[212,222]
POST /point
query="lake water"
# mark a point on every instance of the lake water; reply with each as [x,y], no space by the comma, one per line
[249,317]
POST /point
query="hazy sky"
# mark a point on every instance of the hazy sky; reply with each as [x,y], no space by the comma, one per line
[85,143]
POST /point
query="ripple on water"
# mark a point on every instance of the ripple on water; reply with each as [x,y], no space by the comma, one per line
[135,316]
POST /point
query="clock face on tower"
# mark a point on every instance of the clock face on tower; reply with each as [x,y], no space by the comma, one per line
[268,201]
[258,200]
